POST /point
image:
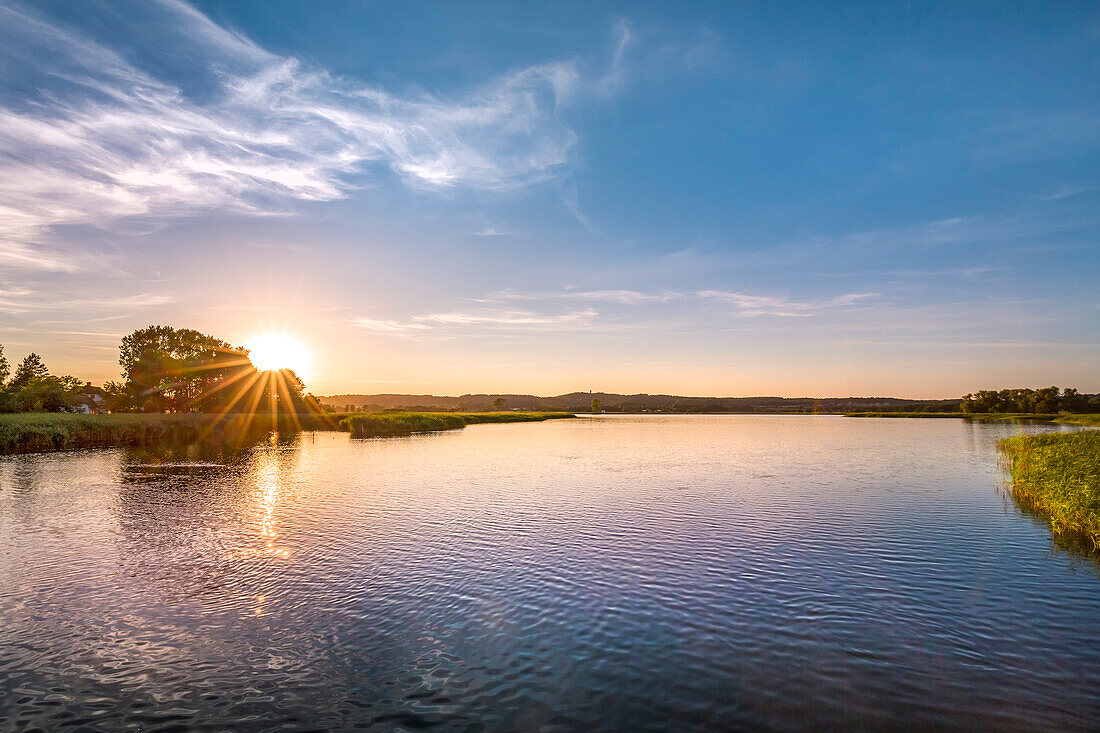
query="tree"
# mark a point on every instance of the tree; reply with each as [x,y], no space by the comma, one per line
[596,405]
[119,397]
[1072,401]
[5,368]
[1045,401]
[180,369]
[500,403]
[30,370]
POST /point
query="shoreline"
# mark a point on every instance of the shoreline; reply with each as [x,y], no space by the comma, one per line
[1087,419]
[41,432]
[35,432]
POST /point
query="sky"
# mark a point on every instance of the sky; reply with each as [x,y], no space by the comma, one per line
[794,199]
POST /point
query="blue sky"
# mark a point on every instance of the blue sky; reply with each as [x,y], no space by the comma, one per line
[728,198]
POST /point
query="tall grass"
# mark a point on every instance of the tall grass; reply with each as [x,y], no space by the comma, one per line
[381,424]
[1057,476]
[472,418]
[31,432]
[1091,419]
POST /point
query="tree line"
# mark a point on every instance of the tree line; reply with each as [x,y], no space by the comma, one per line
[1048,400]
[33,389]
[164,369]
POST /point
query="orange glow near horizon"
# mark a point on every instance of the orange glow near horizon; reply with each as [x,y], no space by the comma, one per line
[276,351]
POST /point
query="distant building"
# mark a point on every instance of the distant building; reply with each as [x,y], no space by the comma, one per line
[90,403]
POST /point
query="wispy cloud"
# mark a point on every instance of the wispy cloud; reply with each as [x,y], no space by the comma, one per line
[508,318]
[387,326]
[745,304]
[1015,224]
[571,199]
[946,272]
[103,139]
[625,297]
[769,305]
[19,299]
[498,313]
[491,318]
[494,232]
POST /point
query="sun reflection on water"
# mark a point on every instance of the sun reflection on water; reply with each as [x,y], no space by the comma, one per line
[268,493]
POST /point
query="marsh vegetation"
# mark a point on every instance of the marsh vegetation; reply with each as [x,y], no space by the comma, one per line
[1057,476]
[39,431]
[406,423]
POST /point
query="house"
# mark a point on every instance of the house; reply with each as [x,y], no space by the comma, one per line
[90,402]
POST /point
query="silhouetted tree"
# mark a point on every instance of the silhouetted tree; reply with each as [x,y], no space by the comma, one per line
[499,403]
[5,368]
[596,406]
[180,369]
[29,371]
[34,389]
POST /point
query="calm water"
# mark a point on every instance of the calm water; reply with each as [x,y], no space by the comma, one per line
[619,573]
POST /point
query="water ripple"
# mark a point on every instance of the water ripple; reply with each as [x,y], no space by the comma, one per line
[601,574]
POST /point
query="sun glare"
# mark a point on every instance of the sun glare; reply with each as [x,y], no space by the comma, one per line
[274,351]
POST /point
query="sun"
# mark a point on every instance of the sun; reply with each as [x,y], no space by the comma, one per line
[275,351]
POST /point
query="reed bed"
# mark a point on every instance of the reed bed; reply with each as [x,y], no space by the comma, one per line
[1057,476]
[385,424]
[1093,420]
[33,432]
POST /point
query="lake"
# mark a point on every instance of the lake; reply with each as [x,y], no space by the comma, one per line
[611,572]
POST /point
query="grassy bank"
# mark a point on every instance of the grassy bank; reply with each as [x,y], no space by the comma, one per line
[30,432]
[383,424]
[1093,420]
[33,431]
[984,416]
[1057,476]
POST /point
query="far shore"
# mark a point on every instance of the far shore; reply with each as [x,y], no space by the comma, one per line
[1061,418]
[36,431]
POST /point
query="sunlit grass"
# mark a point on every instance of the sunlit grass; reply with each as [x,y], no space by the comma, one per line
[1079,420]
[382,424]
[30,432]
[1057,476]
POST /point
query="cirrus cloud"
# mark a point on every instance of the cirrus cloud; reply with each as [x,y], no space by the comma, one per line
[99,138]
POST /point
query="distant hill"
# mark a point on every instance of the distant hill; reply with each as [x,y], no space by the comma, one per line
[582,401]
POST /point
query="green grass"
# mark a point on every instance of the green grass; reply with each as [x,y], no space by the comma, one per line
[382,424]
[34,431]
[1079,420]
[29,432]
[983,416]
[1057,476]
